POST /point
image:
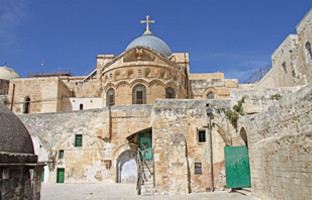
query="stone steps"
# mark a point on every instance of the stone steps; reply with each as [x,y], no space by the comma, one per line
[147,188]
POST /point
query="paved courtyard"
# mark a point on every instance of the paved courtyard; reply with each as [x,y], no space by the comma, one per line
[124,191]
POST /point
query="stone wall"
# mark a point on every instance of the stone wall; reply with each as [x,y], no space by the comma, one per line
[221,88]
[103,131]
[291,61]
[259,99]
[176,146]
[279,142]
[43,94]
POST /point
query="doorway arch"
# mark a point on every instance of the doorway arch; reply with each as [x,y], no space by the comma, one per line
[126,167]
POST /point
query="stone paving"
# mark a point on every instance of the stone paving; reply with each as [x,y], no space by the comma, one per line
[125,191]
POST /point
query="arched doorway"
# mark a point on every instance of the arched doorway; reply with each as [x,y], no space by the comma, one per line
[127,167]
[26,105]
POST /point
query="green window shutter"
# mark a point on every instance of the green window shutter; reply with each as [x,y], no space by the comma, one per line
[42,175]
[78,141]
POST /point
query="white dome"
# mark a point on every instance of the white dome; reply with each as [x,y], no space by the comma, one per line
[7,73]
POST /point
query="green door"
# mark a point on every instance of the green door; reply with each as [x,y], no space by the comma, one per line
[60,175]
[237,167]
[145,141]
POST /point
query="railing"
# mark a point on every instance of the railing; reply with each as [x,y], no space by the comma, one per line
[141,175]
[258,75]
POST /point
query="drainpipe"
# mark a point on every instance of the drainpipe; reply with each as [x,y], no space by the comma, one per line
[211,155]
[12,99]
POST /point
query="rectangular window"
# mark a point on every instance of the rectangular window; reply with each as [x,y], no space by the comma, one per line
[139,71]
[61,154]
[201,136]
[78,141]
[198,168]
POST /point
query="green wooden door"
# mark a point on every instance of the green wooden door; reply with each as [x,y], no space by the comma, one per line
[237,167]
[60,176]
[145,144]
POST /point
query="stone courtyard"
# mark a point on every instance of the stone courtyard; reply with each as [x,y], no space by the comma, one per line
[127,191]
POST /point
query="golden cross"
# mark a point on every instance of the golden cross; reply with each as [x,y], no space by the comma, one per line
[147,24]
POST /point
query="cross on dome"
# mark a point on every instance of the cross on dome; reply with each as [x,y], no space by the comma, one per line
[147,21]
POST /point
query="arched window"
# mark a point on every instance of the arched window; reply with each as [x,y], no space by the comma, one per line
[26,105]
[170,94]
[81,106]
[308,47]
[110,97]
[210,95]
[139,94]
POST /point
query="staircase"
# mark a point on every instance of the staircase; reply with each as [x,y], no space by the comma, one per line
[145,183]
[147,187]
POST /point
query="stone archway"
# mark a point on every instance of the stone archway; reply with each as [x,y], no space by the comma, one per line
[126,167]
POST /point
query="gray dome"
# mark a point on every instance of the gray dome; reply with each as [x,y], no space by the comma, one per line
[14,136]
[148,40]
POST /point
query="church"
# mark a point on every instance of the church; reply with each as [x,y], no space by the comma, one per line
[141,117]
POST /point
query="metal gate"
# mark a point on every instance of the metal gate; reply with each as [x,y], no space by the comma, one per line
[237,167]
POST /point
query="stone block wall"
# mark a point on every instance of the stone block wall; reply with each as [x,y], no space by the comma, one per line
[43,94]
[280,141]
[221,88]
[259,99]
[103,131]
[177,148]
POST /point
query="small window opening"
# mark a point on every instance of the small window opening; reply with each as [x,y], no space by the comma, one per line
[81,106]
[284,67]
[308,47]
[78,140]
[61,154]
[201,136]
[139,71]
[26,105]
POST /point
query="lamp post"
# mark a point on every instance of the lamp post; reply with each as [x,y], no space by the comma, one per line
[210,115]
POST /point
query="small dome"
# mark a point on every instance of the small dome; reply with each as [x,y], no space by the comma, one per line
[14,135]
[7,73]
[150,41]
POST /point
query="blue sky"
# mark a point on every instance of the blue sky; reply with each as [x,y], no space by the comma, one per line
[234,37]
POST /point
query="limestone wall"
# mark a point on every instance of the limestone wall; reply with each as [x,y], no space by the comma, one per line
[103,131]
[43,94]
[291,61]
[176,146]
[73,103]
[221,88]
[280,141]
[259,99]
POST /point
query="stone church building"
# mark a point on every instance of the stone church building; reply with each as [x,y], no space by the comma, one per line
[142,117]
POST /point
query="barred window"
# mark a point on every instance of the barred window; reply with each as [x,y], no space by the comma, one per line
[139,94]
[170,94]
[110,97]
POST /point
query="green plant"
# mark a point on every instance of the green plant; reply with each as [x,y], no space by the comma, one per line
[276,96]
[233,115]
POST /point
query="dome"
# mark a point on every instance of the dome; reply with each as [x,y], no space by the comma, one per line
[150,41]
[14,135]
[7,73]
